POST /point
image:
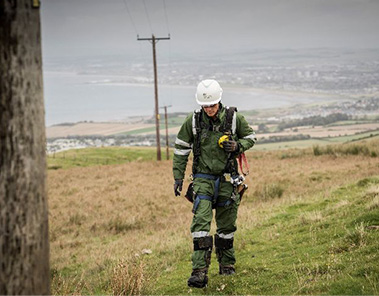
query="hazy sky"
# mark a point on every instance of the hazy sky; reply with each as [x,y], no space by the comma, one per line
[205,27]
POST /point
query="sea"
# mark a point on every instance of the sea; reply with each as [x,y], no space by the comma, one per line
[71,97]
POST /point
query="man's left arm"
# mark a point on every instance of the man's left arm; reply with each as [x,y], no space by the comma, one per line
[246,135]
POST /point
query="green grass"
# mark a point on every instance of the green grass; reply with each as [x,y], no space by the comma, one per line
[101,156]
[320,245]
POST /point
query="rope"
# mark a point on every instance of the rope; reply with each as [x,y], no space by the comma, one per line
[242,161]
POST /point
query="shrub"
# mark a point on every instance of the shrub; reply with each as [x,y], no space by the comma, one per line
[317,150]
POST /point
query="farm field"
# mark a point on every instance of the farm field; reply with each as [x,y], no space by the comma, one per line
[307,225]
[91,128]
[327,131]
[312,142]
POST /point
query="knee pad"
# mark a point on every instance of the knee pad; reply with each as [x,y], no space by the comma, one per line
[222,243]
[203,243]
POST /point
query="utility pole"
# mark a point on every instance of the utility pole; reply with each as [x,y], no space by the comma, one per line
[166,123]
[154,40]
[24,233]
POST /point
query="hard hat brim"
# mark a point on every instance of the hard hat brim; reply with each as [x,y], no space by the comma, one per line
[202,103]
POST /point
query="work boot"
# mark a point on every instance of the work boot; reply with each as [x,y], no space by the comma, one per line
[198,278]
[227,270]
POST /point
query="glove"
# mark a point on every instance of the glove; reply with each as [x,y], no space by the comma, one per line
[231,146]
[178,186]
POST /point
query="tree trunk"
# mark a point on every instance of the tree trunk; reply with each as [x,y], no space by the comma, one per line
[24,245]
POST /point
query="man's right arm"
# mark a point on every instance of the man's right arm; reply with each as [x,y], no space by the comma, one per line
[183,147]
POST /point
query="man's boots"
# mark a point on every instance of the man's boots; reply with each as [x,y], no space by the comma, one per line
[198,278]
[226,270]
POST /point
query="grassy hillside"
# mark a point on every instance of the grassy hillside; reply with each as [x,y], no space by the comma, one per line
[308,225]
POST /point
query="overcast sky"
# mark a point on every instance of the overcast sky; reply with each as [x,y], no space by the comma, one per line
[205,27]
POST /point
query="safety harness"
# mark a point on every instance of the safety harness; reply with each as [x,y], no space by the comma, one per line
[230,167]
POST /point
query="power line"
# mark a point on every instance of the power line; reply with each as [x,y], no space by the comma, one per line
[131,19]
[147,15]
[165,12]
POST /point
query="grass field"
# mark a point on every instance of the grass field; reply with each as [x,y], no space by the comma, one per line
[307,225]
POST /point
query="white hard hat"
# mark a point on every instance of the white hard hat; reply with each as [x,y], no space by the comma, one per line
[208,92]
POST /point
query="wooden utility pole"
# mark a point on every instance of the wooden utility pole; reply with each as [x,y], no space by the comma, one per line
[166,123]
[24,241]
[154,40]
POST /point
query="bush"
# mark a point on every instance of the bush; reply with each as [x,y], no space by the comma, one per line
[317,150]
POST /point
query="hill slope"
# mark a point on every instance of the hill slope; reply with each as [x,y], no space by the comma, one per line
[306,226]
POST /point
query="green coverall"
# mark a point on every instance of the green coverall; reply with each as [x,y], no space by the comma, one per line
[212,161]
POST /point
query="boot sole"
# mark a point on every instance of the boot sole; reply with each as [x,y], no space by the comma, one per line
[199,286]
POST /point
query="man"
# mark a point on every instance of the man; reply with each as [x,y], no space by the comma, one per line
[217,135]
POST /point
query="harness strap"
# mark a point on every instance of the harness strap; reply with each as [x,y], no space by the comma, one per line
[225,203]
[215,178]
[197,201]
[213,199]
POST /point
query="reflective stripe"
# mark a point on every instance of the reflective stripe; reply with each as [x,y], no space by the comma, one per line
[226,236]
[194,121]
[182,143]
[251,137]
[198,234]
[234,122]
[182,151]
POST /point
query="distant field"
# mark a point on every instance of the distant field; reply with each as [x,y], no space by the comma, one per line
[103,129]
[108,129]
[326,131]
[312,142]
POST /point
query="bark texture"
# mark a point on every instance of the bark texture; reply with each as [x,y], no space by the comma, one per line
[24,245]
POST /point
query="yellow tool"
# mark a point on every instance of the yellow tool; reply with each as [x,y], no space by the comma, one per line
[222,139]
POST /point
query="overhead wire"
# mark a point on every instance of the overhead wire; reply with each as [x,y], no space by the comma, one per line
[147,15]
[130,16]
[169,52]
[165,13]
